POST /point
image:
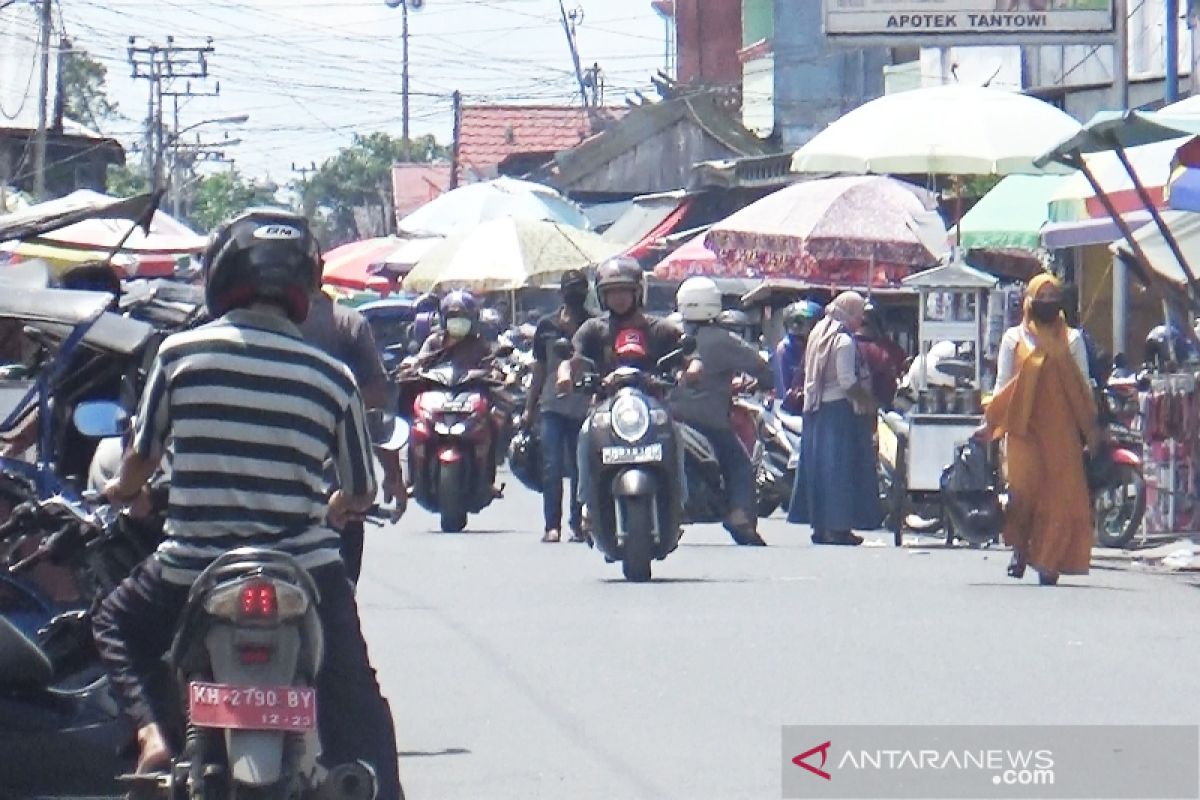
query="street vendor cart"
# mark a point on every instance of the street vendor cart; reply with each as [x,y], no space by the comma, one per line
[915,448]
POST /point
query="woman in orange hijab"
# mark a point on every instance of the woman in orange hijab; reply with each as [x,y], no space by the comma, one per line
[1045,408]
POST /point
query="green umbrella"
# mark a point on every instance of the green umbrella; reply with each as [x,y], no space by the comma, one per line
[1011,215]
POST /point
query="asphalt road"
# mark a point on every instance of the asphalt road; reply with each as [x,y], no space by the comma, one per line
[518,669]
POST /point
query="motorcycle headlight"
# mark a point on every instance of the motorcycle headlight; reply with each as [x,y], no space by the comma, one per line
[630,417]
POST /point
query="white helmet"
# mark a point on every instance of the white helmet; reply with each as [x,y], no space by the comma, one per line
[698,300]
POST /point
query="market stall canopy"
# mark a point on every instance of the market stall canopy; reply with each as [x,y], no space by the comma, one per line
[1185,227]
[164,236]
[507,254]
[61,258]
[1084,232]
[76,207]
[465,207]
[950,130]
[1108,130]
[691,258]
[1076,199]
[1011,214]
[359,265]
[859,230]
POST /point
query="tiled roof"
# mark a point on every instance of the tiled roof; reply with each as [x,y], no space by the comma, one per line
[414,185]
[489,134]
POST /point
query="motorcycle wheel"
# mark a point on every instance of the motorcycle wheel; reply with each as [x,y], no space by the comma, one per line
[639,540]
[1118,511]
[451,500]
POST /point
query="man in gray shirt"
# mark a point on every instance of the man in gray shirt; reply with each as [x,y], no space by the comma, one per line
[345,334]
[704,404]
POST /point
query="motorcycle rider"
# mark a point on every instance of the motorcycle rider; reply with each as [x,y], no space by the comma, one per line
[622,335]
[251,412]
[798,321]
[458,339]
[345,334]
[705,404]
[561,417]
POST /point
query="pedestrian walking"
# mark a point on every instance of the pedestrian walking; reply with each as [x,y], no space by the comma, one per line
[1045,411]
[837,481]
[560,416]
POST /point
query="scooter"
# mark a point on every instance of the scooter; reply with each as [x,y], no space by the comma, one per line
[632,496]
[1117,484]
[780,436]
[454,442]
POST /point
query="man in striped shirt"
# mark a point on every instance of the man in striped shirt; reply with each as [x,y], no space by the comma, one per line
[250,413]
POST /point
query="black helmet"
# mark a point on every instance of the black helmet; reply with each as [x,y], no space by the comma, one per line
[525,459]
[621,272]
[262,254]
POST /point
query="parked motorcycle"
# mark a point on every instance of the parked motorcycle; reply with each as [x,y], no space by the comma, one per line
[632,496]
[1116,481]
[780,436]
[455,440]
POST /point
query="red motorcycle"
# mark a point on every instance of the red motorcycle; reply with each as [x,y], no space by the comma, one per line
[452,452]
[1117,485]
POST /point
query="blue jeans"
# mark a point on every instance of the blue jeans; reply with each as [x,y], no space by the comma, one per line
[735,466]
[560,443]
[585,465]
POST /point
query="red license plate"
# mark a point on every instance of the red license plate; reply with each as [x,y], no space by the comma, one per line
[254,708]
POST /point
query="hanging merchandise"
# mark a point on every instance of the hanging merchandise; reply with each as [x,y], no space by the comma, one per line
[1170,425]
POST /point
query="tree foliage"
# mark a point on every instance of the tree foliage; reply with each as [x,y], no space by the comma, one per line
[85,89]
[125,182]
[358,179]
[220,196]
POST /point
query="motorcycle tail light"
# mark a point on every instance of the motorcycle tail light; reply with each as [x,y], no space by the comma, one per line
[254,654]
[259,601]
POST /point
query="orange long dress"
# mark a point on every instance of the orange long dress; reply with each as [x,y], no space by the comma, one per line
[1049,515]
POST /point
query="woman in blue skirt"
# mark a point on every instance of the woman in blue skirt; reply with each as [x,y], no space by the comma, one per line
[837,483]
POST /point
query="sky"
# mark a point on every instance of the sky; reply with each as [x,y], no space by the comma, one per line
[311,73]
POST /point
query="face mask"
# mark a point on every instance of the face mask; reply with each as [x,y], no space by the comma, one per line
[1045,311]
[575,296]
[458,327]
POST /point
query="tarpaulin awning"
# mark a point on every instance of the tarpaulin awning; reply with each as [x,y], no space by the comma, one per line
[1011,214]
[1107,130]
[75,207]
[645,217]
[1185,227]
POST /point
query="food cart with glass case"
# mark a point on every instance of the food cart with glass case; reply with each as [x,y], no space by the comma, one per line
[915,448]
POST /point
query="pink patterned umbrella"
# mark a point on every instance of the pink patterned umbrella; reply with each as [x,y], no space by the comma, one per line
[691,258]
[855,231]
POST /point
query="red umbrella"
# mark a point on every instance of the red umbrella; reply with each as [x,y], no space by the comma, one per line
[855,231]
[350,265]
[692,258]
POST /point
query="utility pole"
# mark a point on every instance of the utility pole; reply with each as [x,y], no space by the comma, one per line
[569,29]
[1171,74]
[404,6]
[304,172]
[175,162]
[39,145]
[157,63]
[454,165]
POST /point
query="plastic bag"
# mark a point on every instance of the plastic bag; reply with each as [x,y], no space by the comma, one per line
[970,494]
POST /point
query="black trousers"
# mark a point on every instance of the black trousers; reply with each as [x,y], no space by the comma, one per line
[352,548]
[134,627]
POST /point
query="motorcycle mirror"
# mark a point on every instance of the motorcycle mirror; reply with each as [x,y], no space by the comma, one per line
[100,419]
[687,345]
[563,349]
[387,431]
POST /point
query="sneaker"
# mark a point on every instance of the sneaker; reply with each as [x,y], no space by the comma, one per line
[551,535]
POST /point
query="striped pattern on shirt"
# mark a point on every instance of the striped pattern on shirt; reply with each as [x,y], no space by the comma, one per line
[250,413]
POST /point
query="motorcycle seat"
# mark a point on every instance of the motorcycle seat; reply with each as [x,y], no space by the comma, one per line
[22,662]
